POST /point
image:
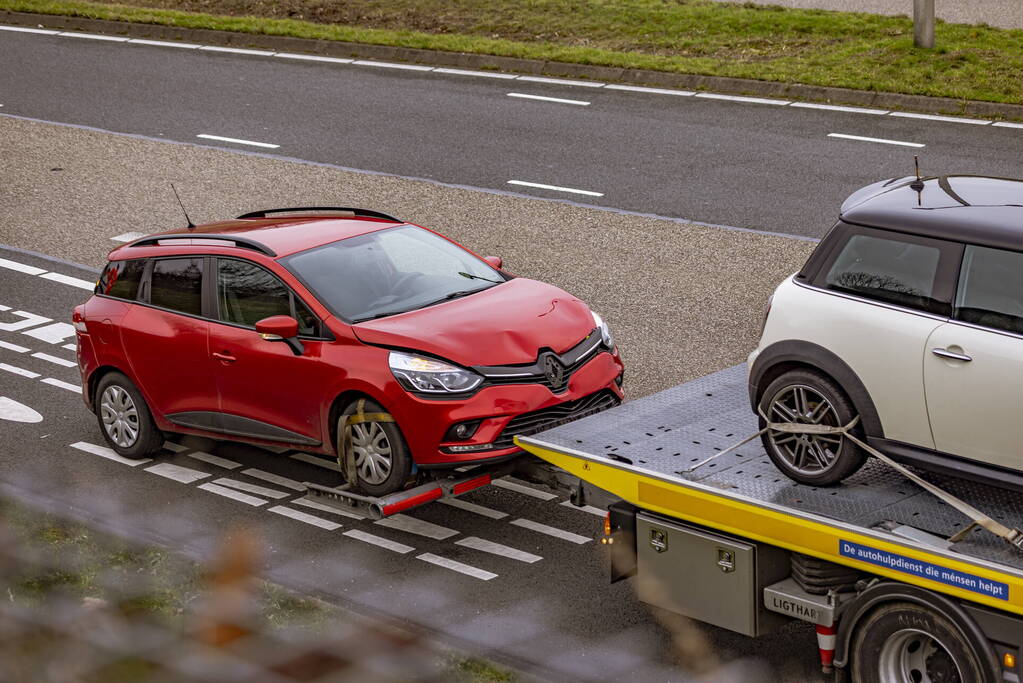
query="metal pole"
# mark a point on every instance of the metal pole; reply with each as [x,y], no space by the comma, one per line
[923,23]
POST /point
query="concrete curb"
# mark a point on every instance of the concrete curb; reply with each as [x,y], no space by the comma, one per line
[661,79]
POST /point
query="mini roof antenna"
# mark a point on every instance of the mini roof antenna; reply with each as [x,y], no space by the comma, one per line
[191,225]
[917,184]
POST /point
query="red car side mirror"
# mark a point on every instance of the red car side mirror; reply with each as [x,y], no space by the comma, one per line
[495,261]
[281,328]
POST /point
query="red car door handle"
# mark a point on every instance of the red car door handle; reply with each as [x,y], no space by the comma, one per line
[225,356]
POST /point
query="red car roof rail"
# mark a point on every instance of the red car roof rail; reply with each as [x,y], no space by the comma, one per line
[240,242]
[362,213]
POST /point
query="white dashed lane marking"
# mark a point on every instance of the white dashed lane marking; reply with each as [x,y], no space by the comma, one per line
[237,50]
[54,333]
[237,141]
[652,91]
[322,507]
[232,494]
[214,460]
[275,479]
[12,411]
[175,447]
[561,81]
[13,347]
[60,384]
[307,518]
[18,371]
[556,188]
[20,267]
[393,65]
[94,36]
[597,512]
[459,567]
[883,141]
[178,473]
[27,320]
[314,58]
[251,488]
[109,454]
[70,347]
[68,280]
[416,526]
[55,360]
[497,549]
[523,489]
[551,531]
[935,117]
[387,544]
[165,43]
[467,72]
[474,508]
[558,100]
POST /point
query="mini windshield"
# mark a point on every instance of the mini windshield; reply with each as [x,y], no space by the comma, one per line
[389,272]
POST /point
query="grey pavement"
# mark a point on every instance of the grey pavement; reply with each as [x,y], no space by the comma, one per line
[1001,13]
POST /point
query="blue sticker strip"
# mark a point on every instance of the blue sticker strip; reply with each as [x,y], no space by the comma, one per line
[926,570]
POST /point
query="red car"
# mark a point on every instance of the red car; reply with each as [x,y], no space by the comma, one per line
[278,327]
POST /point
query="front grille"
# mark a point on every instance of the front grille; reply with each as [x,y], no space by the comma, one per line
[541,378]
[548,418]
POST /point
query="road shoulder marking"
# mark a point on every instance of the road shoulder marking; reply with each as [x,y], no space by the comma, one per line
[251,488]
[551,531]
[486,546]
[473,507]
[232,494]
[420,527]
[178,473]
[385,543]
[459,567]
[303,517]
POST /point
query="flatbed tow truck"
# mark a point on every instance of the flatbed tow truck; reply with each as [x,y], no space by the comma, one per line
[900,585]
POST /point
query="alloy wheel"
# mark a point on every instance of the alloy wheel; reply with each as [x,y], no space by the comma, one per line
[120,416]
[805,453]
[372,452]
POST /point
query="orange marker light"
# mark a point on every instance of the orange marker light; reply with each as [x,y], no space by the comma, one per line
[1009,660]
[607,524]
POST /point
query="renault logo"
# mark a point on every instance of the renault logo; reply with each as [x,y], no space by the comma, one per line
[553,370]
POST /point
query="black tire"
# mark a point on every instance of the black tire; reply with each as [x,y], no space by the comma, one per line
[121,410]
[371,479]
[813,460]
[903,642]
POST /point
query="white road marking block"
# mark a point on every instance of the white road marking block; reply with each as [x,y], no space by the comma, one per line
[62,385]
[237,141]
[652,91]
[303,517]
[313,460]
[94,36]
[561,81]
[497,549]
[55,360]
[165,43]
[68,280]
[483,74]
[232,494]
[20,267]
[70,347]
[12,411]
[416,526]
[175,447]
[596,512]
[251,488]
[13,347]
[214,460]
[740,98]
[559,100]
[556,188]
[551,531]
[392,65]
[836,107]
[19,371]
[935,117]
[275,479]
[4,308]
[473,507]
[28,320]
[523,489]
[1007,124]
[393,546]
[237,50]
[883,141]
[109,454]
[313,58]
[23,29]
[128,236]
[323,507]
[52,334]
[177,473]
[466,569]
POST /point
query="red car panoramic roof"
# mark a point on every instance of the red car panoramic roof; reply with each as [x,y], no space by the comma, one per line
[283,235]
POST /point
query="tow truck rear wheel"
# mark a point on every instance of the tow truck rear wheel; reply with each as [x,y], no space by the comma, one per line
[382,460]
[903,642]
[807,397]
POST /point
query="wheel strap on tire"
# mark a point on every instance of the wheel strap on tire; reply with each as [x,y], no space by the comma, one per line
[1013,537]
[345,452]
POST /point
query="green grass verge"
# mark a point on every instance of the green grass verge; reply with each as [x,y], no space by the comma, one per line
[851,50]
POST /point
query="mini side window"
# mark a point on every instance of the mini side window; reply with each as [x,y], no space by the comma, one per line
[898,269]
[991,289]
[247,293]
[176,283]
[120,279]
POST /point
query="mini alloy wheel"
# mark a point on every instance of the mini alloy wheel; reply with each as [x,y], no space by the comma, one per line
[372,452]
[120,416]
[382,460]
[124,418]
[804,397]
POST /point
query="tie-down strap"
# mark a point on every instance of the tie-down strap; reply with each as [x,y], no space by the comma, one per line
[1012,536]
[345,453]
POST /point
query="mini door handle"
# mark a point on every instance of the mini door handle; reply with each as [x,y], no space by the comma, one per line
[226,357]
[945,353]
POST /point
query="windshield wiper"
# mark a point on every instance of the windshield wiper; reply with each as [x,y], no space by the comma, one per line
[453,295]
[479,277]
[381,315]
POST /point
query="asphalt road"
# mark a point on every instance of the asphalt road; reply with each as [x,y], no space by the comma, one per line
[753,165]
[541,603]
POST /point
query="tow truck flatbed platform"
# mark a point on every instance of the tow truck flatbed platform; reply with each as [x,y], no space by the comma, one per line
[877,521]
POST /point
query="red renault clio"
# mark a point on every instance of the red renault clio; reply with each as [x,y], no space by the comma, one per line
[279,326]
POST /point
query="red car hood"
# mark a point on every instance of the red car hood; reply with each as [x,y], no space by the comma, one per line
[504,325]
